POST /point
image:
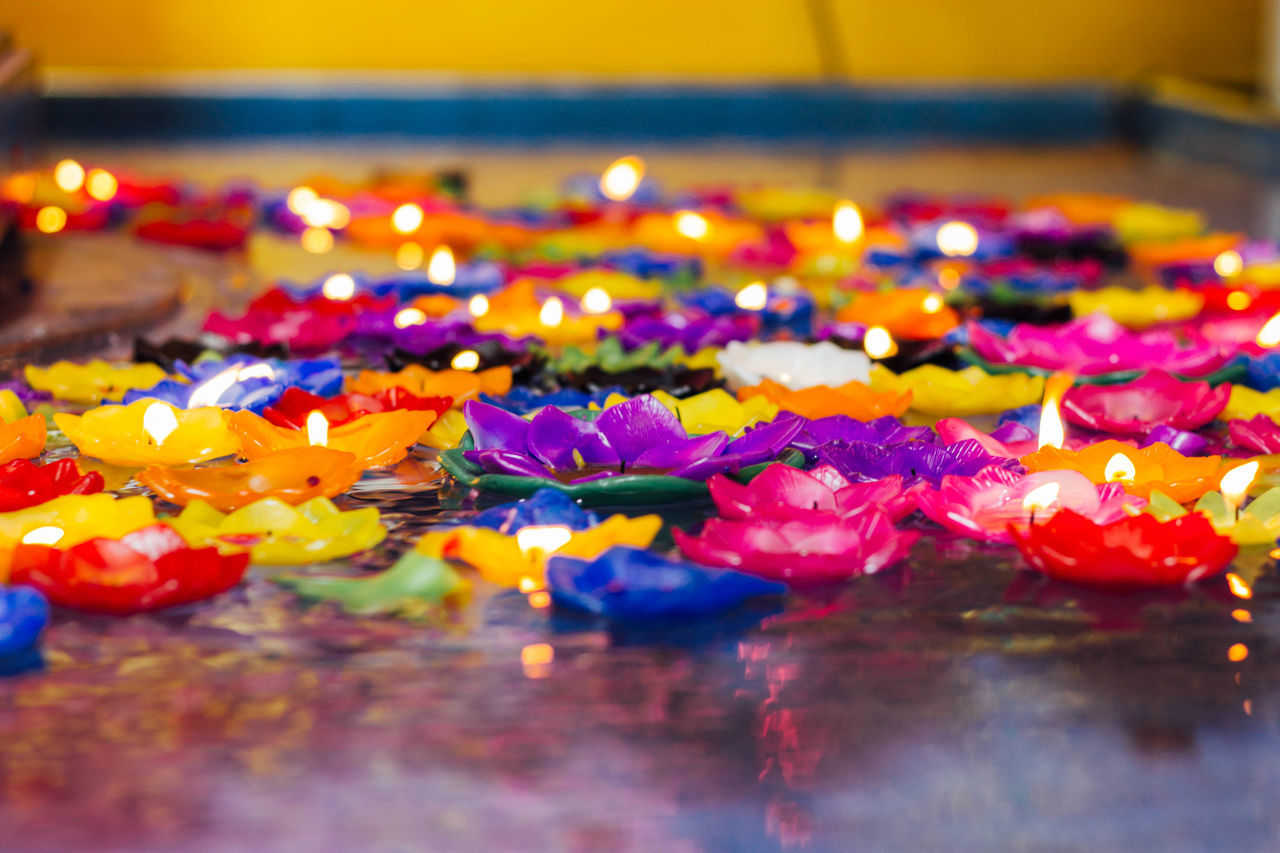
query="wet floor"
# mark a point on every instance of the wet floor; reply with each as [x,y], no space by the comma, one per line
[952,703]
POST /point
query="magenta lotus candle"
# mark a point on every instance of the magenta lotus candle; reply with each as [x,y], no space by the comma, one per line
[984,506]
[1154,399]
[1098,344]
[800,529]
[1260,434]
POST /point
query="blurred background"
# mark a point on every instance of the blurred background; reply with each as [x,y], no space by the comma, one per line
[796,40]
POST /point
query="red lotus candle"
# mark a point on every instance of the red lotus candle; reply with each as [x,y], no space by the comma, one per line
[1131,553]
[147,569]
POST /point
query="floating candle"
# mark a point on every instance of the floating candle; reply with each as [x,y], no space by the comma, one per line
[276,533]
[294,475]
[150,433]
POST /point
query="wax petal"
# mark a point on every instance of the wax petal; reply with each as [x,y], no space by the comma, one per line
[630,583]
[494,429]
[507,462]
[555,436]
[637,425]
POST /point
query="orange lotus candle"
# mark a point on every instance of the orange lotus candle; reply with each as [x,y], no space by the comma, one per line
[1141,470]
[22,439]
[150,432]
[517,311]
[461,385]
[294,475]
[913,314]
[382,438]
[855,399]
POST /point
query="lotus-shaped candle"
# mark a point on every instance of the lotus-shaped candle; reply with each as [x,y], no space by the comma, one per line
[72,519]
[1257,524]
[516,311]
[1245,403]
[825,547]
[1139,470]
[93,382]
[1154,399]
[296,405]
[23,438]
[510,545]
[458,385]
[972,391]
[717,410]
[908,314]
[792,364]
[24,484]
[276,533]
[374,440]
[1260,434]
[689,330]
[636,451]
[1096,344]
[416,585]
[630,583]
[783,493]
[150,432]
[24,613]
[1138,309]
[1131,553]
[914,461]
[242,382]
[294,475]
[984,506]
[853,399]
[309,325]
[148,569]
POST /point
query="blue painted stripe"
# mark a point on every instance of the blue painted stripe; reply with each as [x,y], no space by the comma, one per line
[786,114]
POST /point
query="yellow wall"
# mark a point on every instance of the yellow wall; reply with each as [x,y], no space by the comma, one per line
[881,39]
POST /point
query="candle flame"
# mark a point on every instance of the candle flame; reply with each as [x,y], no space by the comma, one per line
[317,241]
[409,256]
[692,225]
[846,222]
[932,304]
[1269,335]
[752,297]
[159,421]
[51,219]
[339,287]
[1052,431]
[540,540]
[596,301]
[1239,588]
[1119,467]
[1229,264]
[407,317]
[468,359]
[101,185]
[1236,482]
[407,218]
[621,180]
[552,313]
[1041,497]
[1237,652]
[300,198]
[878,343]
[957,239]
[47,535]
[1238,300]
[317,430]
[326,213]
[442,269]
[479,305]
[68,175]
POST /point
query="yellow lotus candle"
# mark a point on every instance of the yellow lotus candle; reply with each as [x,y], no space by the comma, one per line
[150,432]
[957,393]
[275,532]
[93,382]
